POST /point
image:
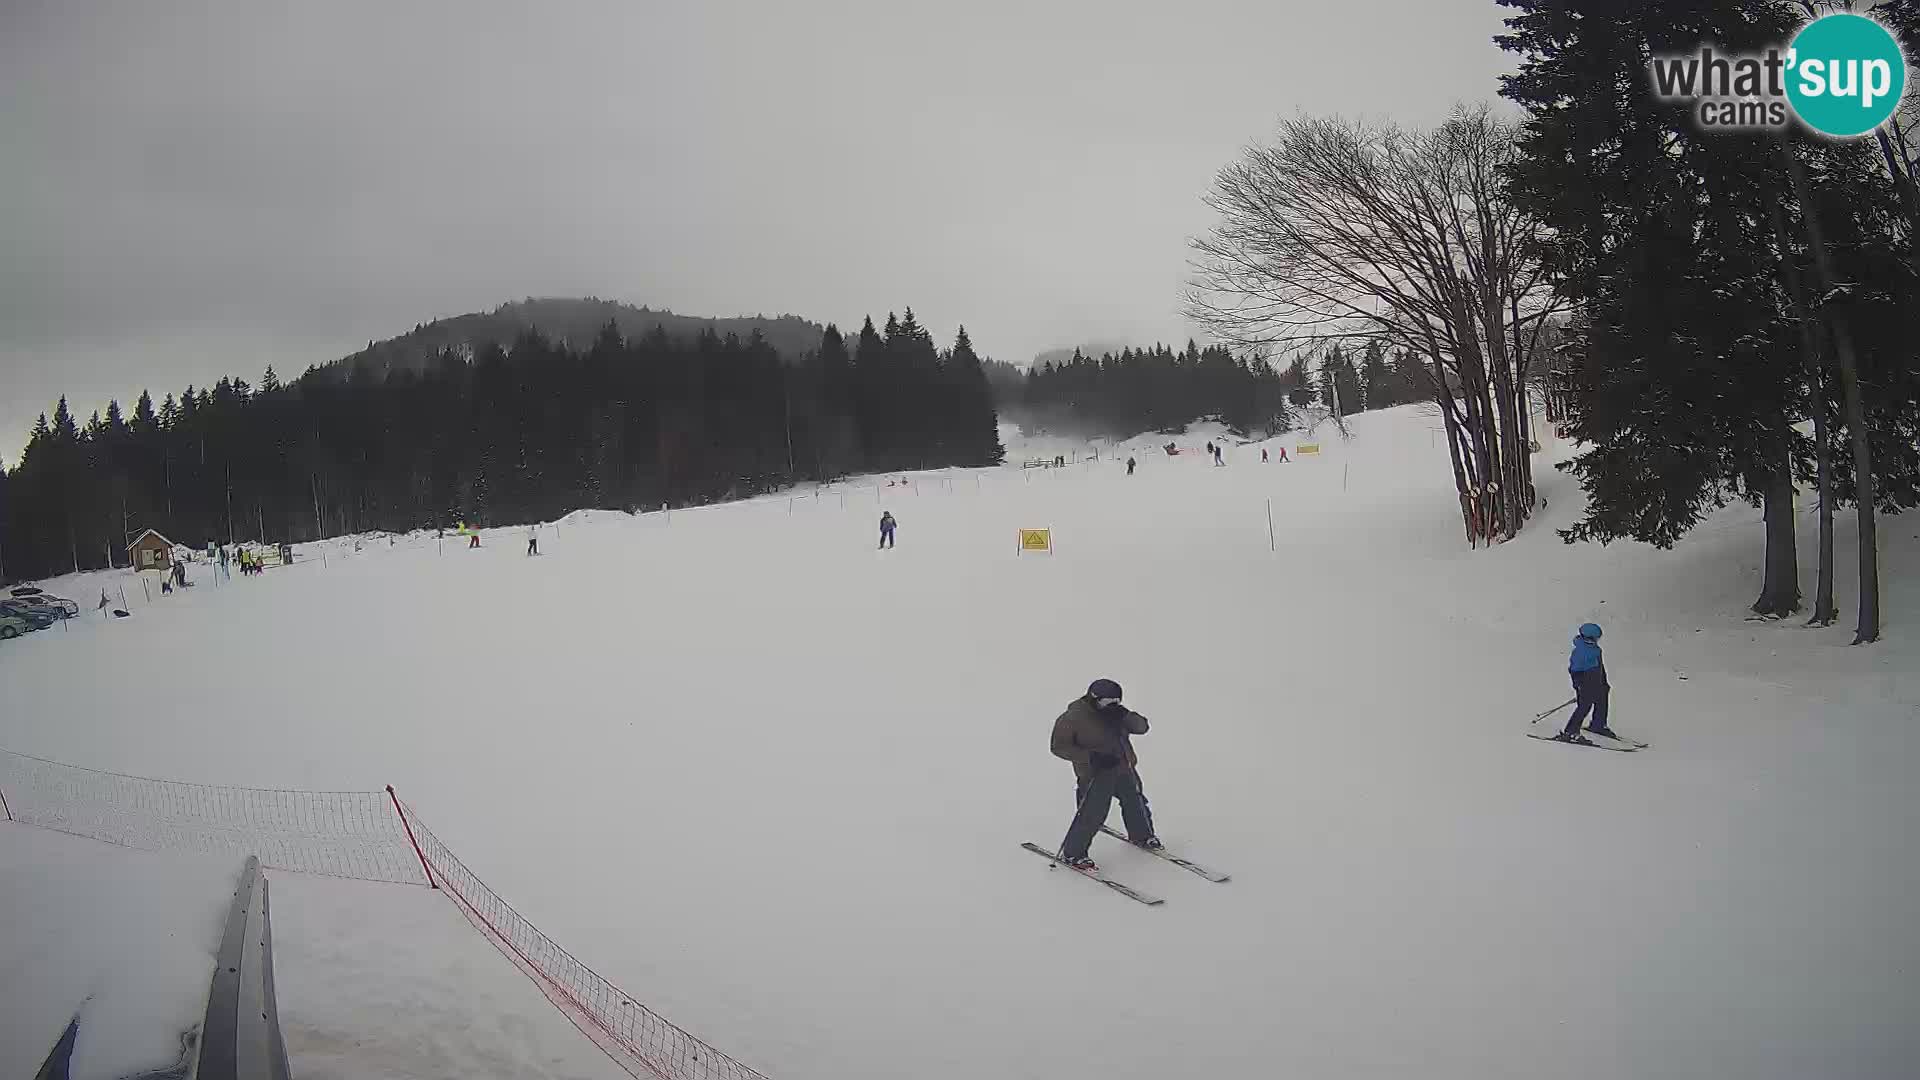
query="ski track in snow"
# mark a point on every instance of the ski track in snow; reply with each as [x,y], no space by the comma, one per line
[772,782]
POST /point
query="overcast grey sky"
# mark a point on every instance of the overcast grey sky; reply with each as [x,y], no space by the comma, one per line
[190,189]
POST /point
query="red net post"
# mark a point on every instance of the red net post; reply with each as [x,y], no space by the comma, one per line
[410,837]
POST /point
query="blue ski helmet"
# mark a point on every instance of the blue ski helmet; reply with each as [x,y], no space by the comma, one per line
[1590,630]
[1103,688]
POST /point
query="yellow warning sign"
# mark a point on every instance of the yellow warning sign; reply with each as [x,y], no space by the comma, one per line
[1306,448]
[1036,540]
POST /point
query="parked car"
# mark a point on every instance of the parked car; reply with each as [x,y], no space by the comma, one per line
[52,605]
[36,618]
[62,609]
[13,626]
[26,590]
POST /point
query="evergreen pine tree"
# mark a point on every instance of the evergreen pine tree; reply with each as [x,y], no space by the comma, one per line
[1346,385]
[1376,383]
[1299,385]
[1684,377]
[977,432]
[64,431]
[874,400]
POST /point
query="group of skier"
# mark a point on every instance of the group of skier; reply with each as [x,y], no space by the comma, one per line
[1095,733]
[1215,451]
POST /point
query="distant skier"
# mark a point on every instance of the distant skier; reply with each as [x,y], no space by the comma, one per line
[1283,454]
[1217,452]
[1211,449]
[1130,465]
[1263,455]
[533,540]
[887,525]
[1589,672]
[473,541]
[1094,733]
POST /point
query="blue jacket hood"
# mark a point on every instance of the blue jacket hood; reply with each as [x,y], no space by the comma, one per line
[1586,650]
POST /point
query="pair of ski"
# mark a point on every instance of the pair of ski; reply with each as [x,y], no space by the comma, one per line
[1597,742]
[1125,890]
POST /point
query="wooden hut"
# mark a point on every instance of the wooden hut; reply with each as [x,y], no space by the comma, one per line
[150,551]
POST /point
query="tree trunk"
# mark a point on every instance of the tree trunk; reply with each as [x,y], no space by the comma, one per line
[1868,628]
[1780,588]
[1909,197]
[1824,612]
[1461,484]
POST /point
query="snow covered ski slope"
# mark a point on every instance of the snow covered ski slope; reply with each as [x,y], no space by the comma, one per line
[771,780]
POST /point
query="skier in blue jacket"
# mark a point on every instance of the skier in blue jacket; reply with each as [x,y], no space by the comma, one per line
[1589,672]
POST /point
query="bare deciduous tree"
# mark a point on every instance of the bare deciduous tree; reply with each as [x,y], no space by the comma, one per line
[1348,231]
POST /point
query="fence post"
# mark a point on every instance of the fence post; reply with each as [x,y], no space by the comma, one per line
[1271,545]
[405,824]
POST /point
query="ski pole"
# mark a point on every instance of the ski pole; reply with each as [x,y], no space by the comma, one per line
[1551,711]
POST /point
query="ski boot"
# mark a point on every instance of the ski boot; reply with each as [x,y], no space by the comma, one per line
[1082,864]
[1573,737]
[1604,732]
[1151,843]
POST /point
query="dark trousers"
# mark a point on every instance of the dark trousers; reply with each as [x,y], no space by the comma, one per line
[533,546]
[886,538]
[1591,696]
[1095,798]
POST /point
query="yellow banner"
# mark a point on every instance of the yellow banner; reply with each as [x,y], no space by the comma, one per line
[1036,540]
[1306,448]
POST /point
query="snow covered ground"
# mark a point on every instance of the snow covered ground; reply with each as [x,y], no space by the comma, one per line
[773,781]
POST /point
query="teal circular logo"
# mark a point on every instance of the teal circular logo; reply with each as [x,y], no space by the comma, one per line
[1846,75]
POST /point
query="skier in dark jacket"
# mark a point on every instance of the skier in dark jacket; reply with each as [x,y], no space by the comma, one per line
[887,525]
[1094,733]
[1130,464]
[1589,672]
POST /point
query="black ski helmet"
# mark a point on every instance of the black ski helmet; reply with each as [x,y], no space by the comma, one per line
[1103,688]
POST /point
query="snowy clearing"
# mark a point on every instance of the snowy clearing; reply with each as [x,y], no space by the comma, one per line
[772,781]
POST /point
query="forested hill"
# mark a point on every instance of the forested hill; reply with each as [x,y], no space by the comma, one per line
[572,323]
